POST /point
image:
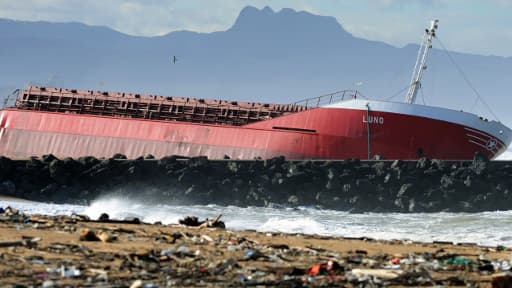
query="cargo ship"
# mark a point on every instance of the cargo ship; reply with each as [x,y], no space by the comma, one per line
[341,125]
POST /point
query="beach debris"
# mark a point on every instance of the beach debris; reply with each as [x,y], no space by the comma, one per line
[48,284]
[105,218]
[70,272]
[79,217]
[173,255]
[88,235]
[189,221]
[93,235]
[105,236]
[64,272]
[9,211]
[194,222]
[328,268]
[26,241]
[502,280]
[254,254]
[136,284]
[385,274]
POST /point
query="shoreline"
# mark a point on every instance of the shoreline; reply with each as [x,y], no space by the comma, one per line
[39,249]
[169,215]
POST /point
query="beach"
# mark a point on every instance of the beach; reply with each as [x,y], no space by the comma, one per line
[48,251]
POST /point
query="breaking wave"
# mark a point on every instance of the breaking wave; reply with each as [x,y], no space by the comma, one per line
[488,228]
[507,155]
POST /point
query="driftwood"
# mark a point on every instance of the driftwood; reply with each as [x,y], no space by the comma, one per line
[27,241]
[194,222]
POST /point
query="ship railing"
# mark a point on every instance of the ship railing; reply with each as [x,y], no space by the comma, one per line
[327,99]
[150,106]
[10,99]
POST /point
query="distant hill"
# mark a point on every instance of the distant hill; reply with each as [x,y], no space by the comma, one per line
[265,56]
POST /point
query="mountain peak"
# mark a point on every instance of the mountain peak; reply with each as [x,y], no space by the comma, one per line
[267,10]
[251,10]
[266,20]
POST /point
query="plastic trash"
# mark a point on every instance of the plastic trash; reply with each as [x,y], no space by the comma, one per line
[433,265]
[48,284]
[37,261]
[392,267]
[71,272]
[501,265]
[330,267]
[233,248]
[167,252]
[182,249]
[379,273]
[52,270]
[253,255]
[136,284]
[459,260]
[228,263]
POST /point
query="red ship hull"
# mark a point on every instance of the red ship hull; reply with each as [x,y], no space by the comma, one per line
[337,131]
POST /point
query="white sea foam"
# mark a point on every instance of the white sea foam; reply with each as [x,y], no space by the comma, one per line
[303,225]
[42,208]
[488,228]
[116,208]
[507,155]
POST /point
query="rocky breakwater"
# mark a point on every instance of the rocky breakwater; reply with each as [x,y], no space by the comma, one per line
[359,186]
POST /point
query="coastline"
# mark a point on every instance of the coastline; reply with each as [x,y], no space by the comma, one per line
[423,185]
[48,250]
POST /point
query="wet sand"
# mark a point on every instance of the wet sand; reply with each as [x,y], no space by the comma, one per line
[52,250]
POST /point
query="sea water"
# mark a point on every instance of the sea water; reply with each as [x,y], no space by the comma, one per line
[486,228]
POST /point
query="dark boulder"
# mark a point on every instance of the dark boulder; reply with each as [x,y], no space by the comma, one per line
[479,164]
[48,158]
[119,156]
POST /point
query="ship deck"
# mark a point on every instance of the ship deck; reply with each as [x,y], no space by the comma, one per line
[144,106]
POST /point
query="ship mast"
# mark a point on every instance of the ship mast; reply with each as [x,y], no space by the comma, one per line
[417,74]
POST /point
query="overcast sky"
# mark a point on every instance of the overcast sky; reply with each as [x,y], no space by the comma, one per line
[475,26]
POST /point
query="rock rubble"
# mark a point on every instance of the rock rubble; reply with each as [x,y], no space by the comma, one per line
[425,185]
